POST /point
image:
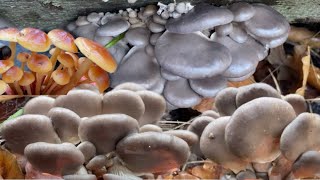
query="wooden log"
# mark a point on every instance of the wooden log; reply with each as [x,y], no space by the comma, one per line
[49,14]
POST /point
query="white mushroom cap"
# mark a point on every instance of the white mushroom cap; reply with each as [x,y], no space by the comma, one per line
[88,150]
[150,128]
[138,36]
[97,162]
[211,113]
[129,86]
[113,27]
[298,102]
[169,75]
[39,105]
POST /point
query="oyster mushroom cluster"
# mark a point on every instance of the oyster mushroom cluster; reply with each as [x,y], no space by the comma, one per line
[85,131]
[186,52]
[55,74]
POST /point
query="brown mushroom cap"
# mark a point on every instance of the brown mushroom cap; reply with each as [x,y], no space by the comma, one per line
[39,63]
[5,65]
[214,147]
[111,127]
[100,77]
[301,135]
[298,102]
[188,136]
[65,123]
[14,74]
[307,165]
[27,79]
[85,103]
[61,76]
[26,129]
[245,175]
[34,40]
[63,40]
[9,34]
[152,152]
[150,128]
[57,159]
[96,53]
[39,105]
[254,131]
[225,101]
[123,102]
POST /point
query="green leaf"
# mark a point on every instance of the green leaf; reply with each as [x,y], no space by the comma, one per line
[115,40]
[16,114]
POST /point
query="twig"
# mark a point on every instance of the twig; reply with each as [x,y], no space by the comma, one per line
[275,81]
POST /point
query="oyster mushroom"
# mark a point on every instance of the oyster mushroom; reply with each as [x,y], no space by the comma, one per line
[57,159]
[188,136]
[138,36]
[243,175]
[225,101]
[150,128]
[242,11]
[214,147]
[152,152]
[208,87]
[88,150]
[42,131]
[307,165]
[211,113]
[266,117]
[298,102]
[169,75]
[113,27]
[39,105]
[80,177]
[97,162]
[224,30]
[129,86]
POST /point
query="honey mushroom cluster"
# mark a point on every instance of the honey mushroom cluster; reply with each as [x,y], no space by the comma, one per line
[42,77]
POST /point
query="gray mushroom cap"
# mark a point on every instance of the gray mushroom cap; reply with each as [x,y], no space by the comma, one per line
[102,40]
[262,167]
[208,87]
[242,78]
[169,75]
[66,123]
[56,159]
[97,162]
[298,102]
[307,166]
[201,17]
[118,177]
[189,137]
[254,91]
[111,128]
[113,27]
[186,98]
[85,103]
[177,54]
[211,113]
[39,105]
[238,34]
[301,135]
[244,175]
[88,150]
[138,36]
[123,102]
[137,67]
[159,86]
[224,30]
[80,177]
[150,128]
[266,117]
[155,107]
[152,152]
[214,147]
[242,11]
[225,101]
[26,129]
[87,31]
[267,23]
[129,86]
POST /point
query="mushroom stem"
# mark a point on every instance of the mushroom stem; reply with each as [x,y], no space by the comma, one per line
[54,85]
[53,59]
[22,66]
[87,81]
[13,89]
[28,88]
[75,79]
[39,79]
[12,46]
[17,88]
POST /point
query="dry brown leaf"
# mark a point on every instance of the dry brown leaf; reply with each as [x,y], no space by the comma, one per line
[205,104]
[305,71]
[185,175]
[314,77]
[298,34]
[312,42]
[242,83]
[9,168]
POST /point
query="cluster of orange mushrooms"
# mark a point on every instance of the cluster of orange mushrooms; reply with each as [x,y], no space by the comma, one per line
[43,77]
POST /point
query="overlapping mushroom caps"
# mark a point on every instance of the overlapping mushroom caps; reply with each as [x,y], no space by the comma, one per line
[44,77]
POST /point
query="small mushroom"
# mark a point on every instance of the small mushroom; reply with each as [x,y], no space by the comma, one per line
[12,77]
[238,34]
[56,159]
[111,127]
[97,162]
[34,40]
[298,102]
[100,77]
[208,87]
[255,128]
[80,177]
[85,103]
[150,128]
[65,123]
[244,175]
[301,135]
[152,152]
[123,102]
[242,11]
[60,78]
[129,86]
[307,165]
[211,113]
[27,79]
[88,150]
[224,30]
[39,105]
[225,101]
[113,27]
[214,147]
[5,65]
[138,36]
[169,75]
[189,137]
[27,129]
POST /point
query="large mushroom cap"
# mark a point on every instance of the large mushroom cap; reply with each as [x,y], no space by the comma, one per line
[177,53]
[34,40]
[301,135]
[96,53]
[298,102]
[111,127]
[182,99]
[63,40]
[27,129]
[152,152]
[213,145]
[85,103]
[254,131]
[208,87]
[307,166]
[201,17]
[225,101]
[65,123]
[39,105]
[55,159]
[123,102]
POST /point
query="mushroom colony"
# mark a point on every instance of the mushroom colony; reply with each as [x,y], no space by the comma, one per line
[186,52]
[254,133]
[39,74]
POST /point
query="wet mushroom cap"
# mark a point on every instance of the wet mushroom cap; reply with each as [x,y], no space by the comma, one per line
[34,40]
[63,40]
[39,105]
[9,34]
[150,128]
[48,157]
[85,103]
[61,76]
[100,77]
[27,79]
[188,136]
[152,152]
[298,103]
[301,135]
[65,123]
[12,75]
[214,147]
[266,118]
[111,127]
[5,65]
[39,63]
[96,53]
[225,101]
[123,102]
[307,165]
[17,132]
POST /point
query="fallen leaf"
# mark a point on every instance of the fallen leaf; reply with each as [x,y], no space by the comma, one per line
[205,104]
[305,71]
[9,168]
[242,83]
[298,34]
